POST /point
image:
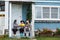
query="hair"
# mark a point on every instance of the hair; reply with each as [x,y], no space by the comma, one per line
[15,21]
[28,20]
[22,21]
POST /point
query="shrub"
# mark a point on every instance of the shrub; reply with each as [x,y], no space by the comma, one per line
[58,31]
[46,31]
[37,33]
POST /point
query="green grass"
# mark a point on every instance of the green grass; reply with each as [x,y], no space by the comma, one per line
[48,38]
[38,38]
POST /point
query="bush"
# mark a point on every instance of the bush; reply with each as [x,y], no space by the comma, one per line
[37,33]
[46,31]
[58,31]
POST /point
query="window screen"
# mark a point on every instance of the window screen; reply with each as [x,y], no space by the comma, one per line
[38,12]
[45,12]
[54,12]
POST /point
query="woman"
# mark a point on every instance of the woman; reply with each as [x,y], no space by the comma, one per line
[15,25]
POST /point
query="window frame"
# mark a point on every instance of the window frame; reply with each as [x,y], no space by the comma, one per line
[49,13]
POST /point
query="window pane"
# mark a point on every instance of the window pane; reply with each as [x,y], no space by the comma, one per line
[54,12]
[59,13]
[2,6]
[45,12]
[38,12]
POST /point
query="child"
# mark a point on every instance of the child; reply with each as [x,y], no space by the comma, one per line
[21,30]
[15,25]
[27,28]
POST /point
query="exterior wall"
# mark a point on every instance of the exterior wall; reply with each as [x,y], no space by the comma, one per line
[51,26]
[2,24]
[4,21]
[2,12]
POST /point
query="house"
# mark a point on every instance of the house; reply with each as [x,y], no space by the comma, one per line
[45,14]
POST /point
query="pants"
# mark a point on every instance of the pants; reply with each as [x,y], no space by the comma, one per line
[21,30]
[14,31]
[27,32]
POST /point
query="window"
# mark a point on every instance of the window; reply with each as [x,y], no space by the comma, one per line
[2,6]
[45,12]
[59,12]
[54,12]
[38,12]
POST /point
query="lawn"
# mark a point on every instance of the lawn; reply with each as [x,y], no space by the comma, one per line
[37,38]
[48,38]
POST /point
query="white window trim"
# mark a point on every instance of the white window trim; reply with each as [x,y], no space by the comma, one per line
[41,12]
[47,1]
[58,13]
[46,6]
[50,12]
[47,19]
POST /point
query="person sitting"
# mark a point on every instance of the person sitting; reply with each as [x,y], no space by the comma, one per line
[14,29]
[27,28]
[21,30]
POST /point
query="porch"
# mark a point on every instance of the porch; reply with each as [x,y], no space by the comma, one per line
[18,11]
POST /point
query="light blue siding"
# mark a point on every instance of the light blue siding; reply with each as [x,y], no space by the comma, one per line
[47,3]
[51,26]
[47,25]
